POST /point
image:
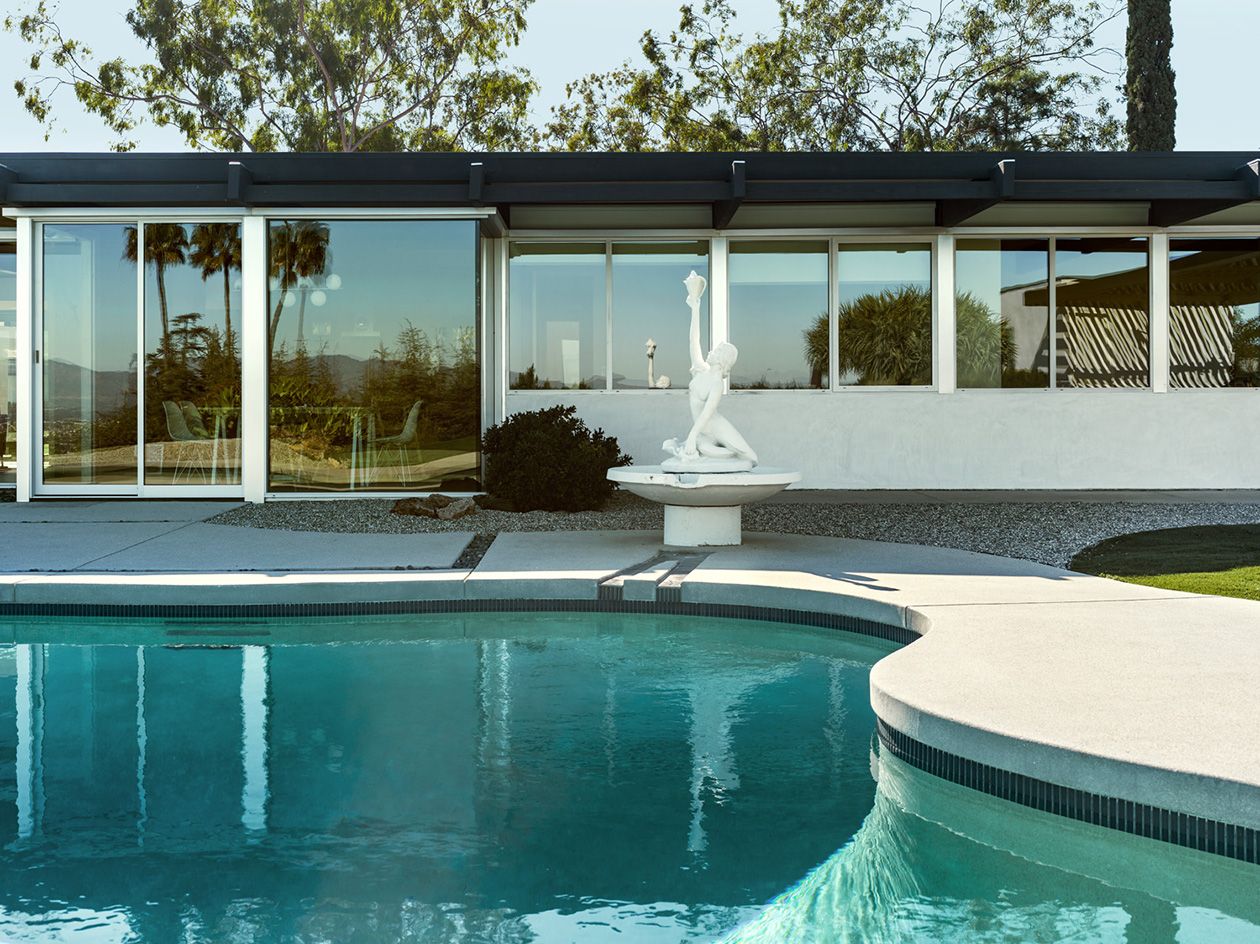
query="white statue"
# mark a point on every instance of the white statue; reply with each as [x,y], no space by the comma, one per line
[712,444]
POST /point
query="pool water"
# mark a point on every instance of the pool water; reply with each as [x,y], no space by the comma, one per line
[508,778]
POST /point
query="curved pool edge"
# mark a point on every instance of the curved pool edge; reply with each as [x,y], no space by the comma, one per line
[999,724]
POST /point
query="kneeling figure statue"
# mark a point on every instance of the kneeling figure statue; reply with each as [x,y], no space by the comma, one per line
[713,444]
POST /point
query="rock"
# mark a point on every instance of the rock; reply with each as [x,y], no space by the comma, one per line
[458,508]
[427,507]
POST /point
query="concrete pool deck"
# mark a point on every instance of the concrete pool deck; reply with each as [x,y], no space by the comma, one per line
[1113,690]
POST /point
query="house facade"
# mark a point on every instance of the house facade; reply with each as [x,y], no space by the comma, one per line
[274,325]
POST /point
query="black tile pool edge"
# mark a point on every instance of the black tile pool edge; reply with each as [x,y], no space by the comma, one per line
[1139,819]
[852,624]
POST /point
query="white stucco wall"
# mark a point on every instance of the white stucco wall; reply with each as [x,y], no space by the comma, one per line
[1009,439]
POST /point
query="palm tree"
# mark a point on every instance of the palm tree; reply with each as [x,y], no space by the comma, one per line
[165,244]
[216,247]
[298,250]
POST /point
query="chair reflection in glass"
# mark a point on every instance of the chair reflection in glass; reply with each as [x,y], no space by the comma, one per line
[399,446]
[179,433]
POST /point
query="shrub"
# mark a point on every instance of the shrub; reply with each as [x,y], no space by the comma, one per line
[550,460]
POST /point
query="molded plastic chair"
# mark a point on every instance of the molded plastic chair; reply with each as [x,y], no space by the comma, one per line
[192,417]
[400,445]
[177,431]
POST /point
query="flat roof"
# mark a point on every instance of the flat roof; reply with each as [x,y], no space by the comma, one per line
[1177,187]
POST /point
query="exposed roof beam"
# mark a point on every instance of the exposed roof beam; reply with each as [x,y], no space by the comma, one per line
[7,177]
[1177,211]
[239,180]
[1002,180]
[476,182]
[724,210]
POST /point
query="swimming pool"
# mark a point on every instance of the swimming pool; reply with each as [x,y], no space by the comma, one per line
[511,778]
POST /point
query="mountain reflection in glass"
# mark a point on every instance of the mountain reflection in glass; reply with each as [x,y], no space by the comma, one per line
[89,355]
[192,369]
[375,376]
[1214,294]
[8,342]
[779,313]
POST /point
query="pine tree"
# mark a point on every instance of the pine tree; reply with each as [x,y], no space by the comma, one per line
[1151,87]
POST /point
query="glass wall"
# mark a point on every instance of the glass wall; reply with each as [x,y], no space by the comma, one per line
[1214,318]
[1003,317]
[779,313]
[375,377]
[884,321]
[650,317]
[89,354]
[559,304]
[192,368]
[8,357]
[563,297]
[1102,312]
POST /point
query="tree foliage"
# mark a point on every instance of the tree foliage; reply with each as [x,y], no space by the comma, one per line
[1151,90]
[298,75]
[857,75]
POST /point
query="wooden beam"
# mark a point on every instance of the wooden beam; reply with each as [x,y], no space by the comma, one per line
[1002,187]
[724,210]
[1174,212]
[476,182]
[239,180]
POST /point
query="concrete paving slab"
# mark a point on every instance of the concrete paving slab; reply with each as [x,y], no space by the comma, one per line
[1150,700]
[60,547]
[223,548]
[128,510]
[557,565]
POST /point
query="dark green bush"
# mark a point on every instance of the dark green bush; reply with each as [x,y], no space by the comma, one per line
[550,460]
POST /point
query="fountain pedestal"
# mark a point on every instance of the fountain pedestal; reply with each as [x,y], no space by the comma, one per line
[703,509]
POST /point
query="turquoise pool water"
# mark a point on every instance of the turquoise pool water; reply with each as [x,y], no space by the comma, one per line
[508,778]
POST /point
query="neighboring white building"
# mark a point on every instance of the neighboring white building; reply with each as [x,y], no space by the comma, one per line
[265,325]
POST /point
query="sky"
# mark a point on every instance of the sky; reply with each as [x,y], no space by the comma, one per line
[1213,55]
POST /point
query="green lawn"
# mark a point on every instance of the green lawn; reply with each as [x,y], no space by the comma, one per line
[1220,559]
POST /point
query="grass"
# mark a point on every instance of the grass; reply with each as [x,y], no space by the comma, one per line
[1219,559]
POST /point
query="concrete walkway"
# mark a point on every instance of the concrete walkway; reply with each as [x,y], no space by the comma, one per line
[1109,688]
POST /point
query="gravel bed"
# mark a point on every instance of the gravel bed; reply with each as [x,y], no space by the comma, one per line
[1048,532]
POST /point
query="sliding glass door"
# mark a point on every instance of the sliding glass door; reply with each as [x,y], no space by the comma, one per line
[138,375]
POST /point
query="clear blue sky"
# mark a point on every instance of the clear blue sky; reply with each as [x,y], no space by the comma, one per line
[1213,54]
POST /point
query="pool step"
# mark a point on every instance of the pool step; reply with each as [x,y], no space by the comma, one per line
[658,579]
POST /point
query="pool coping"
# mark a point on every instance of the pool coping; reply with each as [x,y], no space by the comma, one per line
[1196,808]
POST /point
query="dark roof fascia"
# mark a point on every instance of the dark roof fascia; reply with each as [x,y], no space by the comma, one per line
[1177,186]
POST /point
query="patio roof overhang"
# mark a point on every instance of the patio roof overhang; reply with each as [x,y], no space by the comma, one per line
[1176,187]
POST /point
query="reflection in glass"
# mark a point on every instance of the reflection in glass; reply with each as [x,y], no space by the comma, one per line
[8,363]
[192,379]
[884,322]
[649,313]
[557,326]
[1214,294]
[374,370]
[1102,320]
[1003,340]
[778,313]
[89,355]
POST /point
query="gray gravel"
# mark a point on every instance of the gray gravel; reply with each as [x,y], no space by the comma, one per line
[1048,532]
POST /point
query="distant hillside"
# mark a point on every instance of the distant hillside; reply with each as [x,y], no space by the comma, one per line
[66,385]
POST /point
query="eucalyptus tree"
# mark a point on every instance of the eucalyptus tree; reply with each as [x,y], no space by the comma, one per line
[298,75]
[858,75]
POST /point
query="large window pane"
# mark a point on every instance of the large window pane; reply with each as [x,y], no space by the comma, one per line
[557,328]
[650,305]
[89,354]
[778,313]
[1003,319]
[8,357]
[1102,320]
[374,370]
[884,322]
[1214,291]
[192,368]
